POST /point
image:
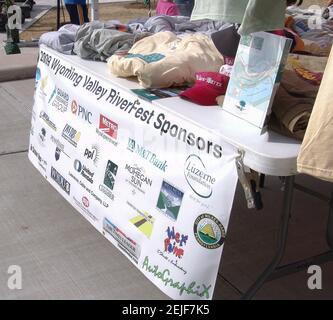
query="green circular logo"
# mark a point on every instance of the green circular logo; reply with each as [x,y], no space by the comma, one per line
[209,231]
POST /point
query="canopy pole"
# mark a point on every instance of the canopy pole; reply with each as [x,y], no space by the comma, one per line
[94,12]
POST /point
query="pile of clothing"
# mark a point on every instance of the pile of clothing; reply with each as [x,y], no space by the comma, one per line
[94,40]
[198,51]
[314,26]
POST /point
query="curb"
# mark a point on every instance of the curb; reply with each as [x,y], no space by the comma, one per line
[18,66]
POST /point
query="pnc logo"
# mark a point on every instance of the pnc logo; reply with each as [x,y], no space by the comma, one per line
[81,112]
[74,107]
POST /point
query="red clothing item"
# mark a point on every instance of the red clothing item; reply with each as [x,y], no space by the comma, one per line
[167,8]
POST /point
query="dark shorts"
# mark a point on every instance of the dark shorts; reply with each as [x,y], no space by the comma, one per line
[185,7]
[74,15]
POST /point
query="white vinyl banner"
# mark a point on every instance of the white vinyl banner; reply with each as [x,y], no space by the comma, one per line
[159,187]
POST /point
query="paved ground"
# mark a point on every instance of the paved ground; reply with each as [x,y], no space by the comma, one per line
[39,9]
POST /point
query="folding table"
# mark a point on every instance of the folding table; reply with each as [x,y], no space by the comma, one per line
[269,154]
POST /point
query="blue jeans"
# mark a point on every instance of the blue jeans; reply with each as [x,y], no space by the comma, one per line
[185,7]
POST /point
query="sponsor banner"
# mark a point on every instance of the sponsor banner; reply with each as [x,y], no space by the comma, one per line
[157,186]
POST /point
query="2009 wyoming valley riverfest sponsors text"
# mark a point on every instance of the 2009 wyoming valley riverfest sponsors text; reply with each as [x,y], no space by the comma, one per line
[130,106]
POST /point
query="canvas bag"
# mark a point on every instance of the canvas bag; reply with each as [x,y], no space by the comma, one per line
[316,155]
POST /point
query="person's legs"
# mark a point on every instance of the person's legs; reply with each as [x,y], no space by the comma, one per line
[85,13]
[190,6]
[185,7]
[181,4]
[73,14]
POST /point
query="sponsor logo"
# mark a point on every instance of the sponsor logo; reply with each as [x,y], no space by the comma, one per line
[110,174]
[42,136]
[37,77]
[57,153]
[85,202]
[43,84]
[91,192]
[60,100]
[170,200]
[108,129]
[175,242]
[81,112]
[42,163]
[174,248]
[60,148]
[47,120]
[74,107]
[200,181]
[143,221]
[125,243]
[109,179]
[84,171]
[53,93]
[138,178]
[71,135]
[93,154]
[60,180]
[209,231]
[144,153]
[165,277]
[84,205]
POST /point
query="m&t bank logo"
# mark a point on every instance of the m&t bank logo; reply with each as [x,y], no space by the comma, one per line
[146,154]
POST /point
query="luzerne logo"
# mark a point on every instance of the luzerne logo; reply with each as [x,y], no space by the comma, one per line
[198,178]
[144,153]
[108,129]
[81,112]
[71,135]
